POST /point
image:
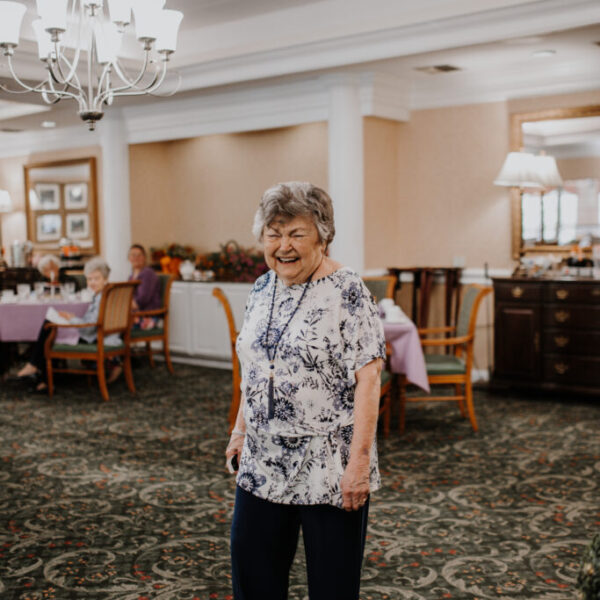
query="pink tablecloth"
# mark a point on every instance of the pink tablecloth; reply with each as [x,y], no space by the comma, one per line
[21,322]
[407,354]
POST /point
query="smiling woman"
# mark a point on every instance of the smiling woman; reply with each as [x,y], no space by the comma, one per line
[310,351]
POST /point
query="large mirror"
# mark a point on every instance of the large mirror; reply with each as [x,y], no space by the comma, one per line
[61,204]
[554,220]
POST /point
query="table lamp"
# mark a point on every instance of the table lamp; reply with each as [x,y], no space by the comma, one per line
[5,206]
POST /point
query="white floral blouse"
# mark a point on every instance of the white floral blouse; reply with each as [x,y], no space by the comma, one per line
[299,455]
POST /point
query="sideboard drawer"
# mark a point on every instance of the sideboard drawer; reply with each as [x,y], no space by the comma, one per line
[560,341]
[573,294]
[575,370]
[518,292]
[571,317]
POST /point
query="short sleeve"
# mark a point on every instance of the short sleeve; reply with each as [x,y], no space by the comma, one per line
[361,327]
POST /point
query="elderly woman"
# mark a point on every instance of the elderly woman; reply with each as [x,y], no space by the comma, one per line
[147,293]
[96,272]
[311,350]
[49,268]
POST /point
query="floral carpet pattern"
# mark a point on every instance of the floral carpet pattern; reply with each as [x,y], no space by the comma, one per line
[129,500]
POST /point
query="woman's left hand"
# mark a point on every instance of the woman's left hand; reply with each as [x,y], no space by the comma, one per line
[355,484]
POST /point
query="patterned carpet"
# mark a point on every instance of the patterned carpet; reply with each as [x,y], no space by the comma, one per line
[128,500]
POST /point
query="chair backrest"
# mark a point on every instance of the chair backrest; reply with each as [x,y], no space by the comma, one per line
[115,307]
[467,315]
[166,281]
[381,287]
[220,295]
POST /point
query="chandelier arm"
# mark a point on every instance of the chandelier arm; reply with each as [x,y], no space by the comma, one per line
[27,88]
[130,83]
[171,93]
[61,93]
[156,82]
[58,77]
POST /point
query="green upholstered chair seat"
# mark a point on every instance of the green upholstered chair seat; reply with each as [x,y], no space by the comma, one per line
[139,333]
[443,364]
[386,377]
[84,348]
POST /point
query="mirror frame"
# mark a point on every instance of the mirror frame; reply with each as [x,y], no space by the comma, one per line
[92,201]
[516,143]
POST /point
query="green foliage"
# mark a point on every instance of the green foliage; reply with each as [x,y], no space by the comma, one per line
[588,580]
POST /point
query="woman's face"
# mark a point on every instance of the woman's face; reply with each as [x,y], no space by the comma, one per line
[95,281]
[137,259]
[293,248]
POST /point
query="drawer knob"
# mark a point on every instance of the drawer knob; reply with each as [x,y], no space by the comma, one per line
[517,292]
[561,368]
[562,315]
[562,294]
[561,341]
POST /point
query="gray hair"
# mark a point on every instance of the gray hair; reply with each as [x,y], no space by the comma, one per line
[46,261]
[97,263]
[293,199]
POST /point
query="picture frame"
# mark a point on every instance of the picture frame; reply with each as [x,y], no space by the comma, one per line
[47,196]
[77,226]
[49,227]
[76,196]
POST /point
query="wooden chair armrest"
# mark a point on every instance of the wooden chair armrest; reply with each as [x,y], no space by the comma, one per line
[429,330]
[150,313]
[456,341]
[71,325]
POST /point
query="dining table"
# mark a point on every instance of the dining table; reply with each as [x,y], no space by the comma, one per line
[407,357]
[21,321]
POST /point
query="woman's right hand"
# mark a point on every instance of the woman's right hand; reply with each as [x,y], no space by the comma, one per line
[235,445]
[66,315]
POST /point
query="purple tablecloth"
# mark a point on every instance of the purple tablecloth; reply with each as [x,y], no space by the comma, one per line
[407,353]
[21,322]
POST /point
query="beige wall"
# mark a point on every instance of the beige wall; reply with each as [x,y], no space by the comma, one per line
[579,168]
[14,225]
[204,191]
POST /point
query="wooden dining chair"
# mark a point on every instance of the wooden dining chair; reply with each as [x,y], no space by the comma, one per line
[385,393]
[381,287]
[114,317]
[454,367]
[156,334]
[236,393]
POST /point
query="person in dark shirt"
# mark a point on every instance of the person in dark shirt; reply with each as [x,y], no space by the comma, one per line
[147,294]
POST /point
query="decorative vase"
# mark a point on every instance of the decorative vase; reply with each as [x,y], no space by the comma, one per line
[174,265]
[186,269]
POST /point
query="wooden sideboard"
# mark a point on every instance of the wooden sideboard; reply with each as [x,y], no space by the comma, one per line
[547,334]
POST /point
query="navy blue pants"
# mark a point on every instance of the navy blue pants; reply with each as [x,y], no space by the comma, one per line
[264,536]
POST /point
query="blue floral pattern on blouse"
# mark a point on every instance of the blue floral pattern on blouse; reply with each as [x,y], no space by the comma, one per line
[299,455]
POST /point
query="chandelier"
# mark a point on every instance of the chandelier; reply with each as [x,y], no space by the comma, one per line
[66,29]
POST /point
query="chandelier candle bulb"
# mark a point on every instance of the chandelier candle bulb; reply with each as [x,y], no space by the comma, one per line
[97,26]
[11,18]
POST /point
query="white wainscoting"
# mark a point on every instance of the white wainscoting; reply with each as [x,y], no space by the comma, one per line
[198,331]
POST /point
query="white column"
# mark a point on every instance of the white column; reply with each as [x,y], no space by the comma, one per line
[346,172]
[116,208]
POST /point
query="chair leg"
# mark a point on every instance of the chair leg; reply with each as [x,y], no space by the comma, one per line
[50,377]
[402,396]
[461,403]
[128,373]
[150,357]
[102,380]
[470,407]
[168,356]
[387,412]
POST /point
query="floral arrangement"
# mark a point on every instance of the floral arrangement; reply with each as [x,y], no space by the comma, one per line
[233,263]
[173,251]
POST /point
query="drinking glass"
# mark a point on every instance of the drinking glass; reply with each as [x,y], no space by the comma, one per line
[38,288]
[23,291]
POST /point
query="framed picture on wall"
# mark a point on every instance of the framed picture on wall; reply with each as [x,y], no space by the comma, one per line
[78,226]
[48,227]
[48,196]
[76,196]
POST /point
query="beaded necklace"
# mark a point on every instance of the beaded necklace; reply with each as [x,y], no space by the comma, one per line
[268,347]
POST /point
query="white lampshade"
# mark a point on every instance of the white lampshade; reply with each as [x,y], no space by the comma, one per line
[11,18]
[53,14]
[547,171]
[108,42]
[45,45]
[5,203]
[518,170]
[148,15]
[167,36]
[120,12]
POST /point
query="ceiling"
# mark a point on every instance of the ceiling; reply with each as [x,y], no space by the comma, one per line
[228,43]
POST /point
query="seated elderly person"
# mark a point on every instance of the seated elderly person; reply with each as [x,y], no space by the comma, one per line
[96,272]
[147,293]
[49,267]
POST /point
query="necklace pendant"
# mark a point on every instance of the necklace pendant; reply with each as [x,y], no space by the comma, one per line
[271,410]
